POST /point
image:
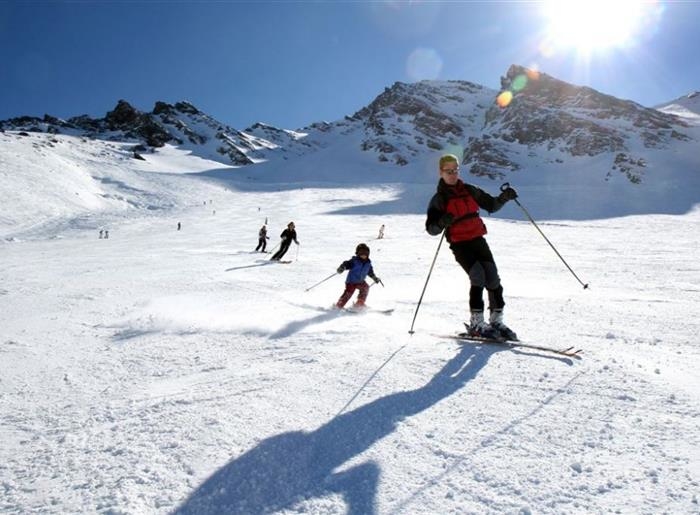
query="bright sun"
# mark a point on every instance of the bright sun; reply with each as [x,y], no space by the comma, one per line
[595,25]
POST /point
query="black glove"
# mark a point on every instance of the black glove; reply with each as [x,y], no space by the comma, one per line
[507,194]
[446,220]
[341,269]
[376,279]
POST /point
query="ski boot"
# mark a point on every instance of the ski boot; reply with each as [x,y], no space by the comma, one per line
[496,322]
[359,305]
[479,328]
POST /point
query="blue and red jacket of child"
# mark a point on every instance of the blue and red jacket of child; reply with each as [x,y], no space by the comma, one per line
[359,269]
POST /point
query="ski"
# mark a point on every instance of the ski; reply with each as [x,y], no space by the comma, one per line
[354,311]
[351,310]
[368,310]
[571,352]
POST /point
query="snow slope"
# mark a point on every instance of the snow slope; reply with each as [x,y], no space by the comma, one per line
[575,153]
[53,183]
[163,371]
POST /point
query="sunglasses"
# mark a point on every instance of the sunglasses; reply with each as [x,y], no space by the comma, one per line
[450,171]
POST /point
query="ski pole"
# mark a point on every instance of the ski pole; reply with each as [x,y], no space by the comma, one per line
[442,237]
[506,185]
[321,281]
[274,248]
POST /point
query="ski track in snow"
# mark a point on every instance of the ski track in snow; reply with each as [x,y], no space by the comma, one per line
[163,370]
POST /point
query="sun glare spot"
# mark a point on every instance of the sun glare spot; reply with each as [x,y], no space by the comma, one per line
[596,25]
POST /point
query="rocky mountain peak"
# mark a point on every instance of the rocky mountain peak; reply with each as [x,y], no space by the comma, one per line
[123,116]
[556,117]
[546,119]
[408,119]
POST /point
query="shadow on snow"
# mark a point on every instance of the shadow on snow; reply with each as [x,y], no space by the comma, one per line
[288,468]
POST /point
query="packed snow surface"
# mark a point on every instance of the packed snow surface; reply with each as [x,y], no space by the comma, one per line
[164,370]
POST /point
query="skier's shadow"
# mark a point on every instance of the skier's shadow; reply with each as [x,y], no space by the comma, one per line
[288,468]
[296,326]
[257,264]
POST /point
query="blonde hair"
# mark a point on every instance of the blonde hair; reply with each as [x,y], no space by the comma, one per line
[448,158]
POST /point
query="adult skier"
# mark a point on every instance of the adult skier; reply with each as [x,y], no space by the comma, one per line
[455,209]
[288,236]
[262,239]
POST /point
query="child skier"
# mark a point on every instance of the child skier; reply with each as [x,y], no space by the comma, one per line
[359,267]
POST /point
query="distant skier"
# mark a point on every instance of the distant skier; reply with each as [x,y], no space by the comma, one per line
[101,232]
[455,210]
[359,266]
[106,234]
[288,236]
[179,226]
[381,233]
[262,239]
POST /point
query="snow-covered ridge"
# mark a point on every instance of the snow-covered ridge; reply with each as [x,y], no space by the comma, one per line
[687,107]
[53,183]
[572,151]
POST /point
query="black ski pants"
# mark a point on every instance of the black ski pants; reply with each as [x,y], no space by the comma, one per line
[282,251]
[475,257]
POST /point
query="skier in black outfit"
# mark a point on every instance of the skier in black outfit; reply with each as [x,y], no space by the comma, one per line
[288,235]
[262,239]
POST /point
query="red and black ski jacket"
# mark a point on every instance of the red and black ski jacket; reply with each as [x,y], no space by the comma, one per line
[462,201]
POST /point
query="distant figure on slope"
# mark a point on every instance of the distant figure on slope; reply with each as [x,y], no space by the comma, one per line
[359,267]
[455,209]
[101,232]
[288,235]
[262,239]
[179,226]
[381,232]
[106,234]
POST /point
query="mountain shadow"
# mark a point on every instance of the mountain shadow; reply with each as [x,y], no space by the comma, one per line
[288,468]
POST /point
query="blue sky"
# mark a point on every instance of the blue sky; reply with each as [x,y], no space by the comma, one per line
[293,63]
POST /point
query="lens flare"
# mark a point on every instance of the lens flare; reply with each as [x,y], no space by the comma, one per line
[424,63]
[504,99]
[532,73]
[519,83]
